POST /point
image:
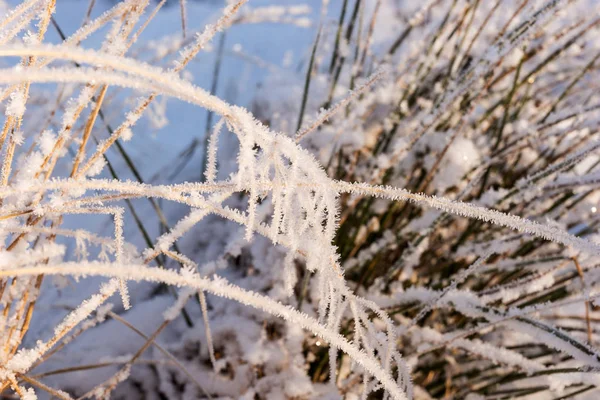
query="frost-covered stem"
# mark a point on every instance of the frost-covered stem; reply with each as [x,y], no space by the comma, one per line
[459,279]
[111,185]
[166,240]
[59,394]
[455,207]
[7,161]
[141,29]
[5,130]
[216,72]
[105,145]
[119,243]
[88,130]
[327,114]
[104,389]
[471,211]
[14,384]
[17,12]
[76,234]
[211,152]
[207,35]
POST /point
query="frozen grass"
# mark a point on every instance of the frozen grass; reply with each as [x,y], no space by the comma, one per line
[431,229]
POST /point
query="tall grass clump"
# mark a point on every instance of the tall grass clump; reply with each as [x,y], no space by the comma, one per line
[410,213]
